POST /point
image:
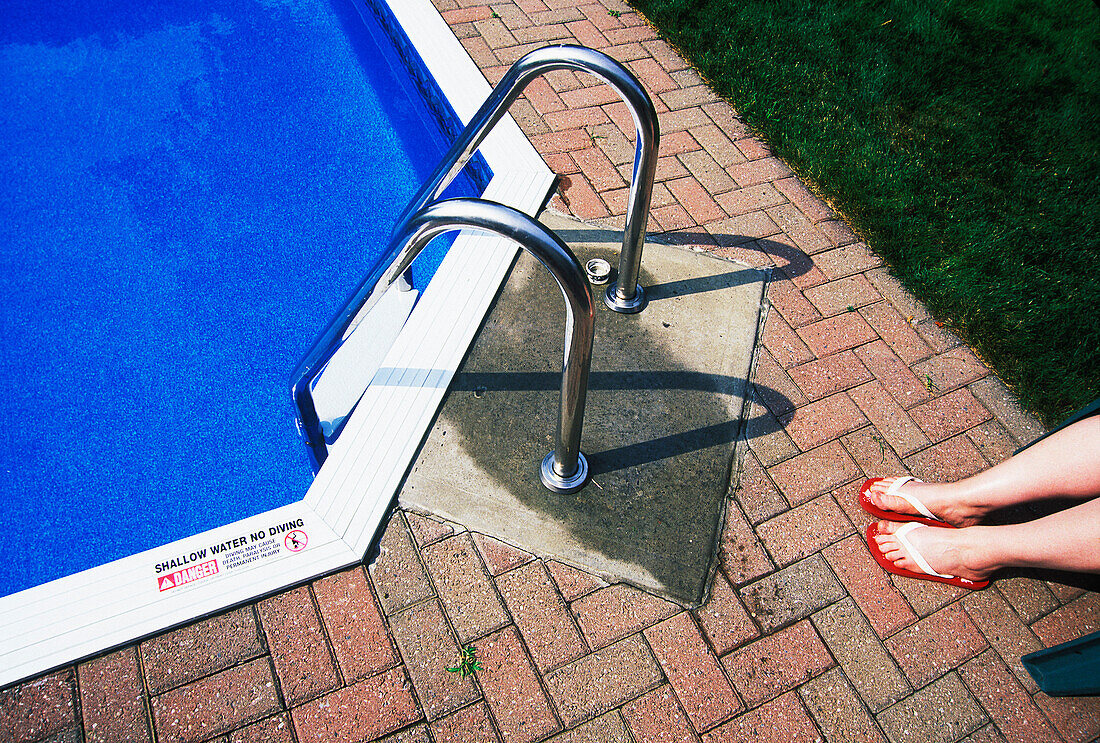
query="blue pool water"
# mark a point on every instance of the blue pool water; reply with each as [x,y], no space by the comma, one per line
[191,188]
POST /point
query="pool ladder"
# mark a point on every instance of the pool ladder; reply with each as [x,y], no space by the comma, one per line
[565,469]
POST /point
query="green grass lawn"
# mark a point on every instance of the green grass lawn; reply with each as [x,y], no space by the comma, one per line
[959,138]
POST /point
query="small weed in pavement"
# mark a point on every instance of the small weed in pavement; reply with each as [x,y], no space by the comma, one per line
[467,662]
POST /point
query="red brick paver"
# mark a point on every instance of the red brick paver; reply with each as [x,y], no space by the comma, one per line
[363,711]
[511,687]
[354,624]
[542,616]
[617,611]
[38,709]
[777,663]
[216,704]
[658,718]
[936,644]
[111,698]
[696,676]
[179,657]
[303,660]
[783,720]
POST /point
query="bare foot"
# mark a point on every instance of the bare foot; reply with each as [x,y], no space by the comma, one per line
[956,552]
[944,501]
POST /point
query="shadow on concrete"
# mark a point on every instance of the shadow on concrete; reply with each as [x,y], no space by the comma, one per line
[649,450]
[666,405]
[790,259]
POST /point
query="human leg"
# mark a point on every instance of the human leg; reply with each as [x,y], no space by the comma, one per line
[1063,465]
[1065,540]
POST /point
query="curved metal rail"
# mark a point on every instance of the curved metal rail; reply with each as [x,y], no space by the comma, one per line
[565,469]
[624,294]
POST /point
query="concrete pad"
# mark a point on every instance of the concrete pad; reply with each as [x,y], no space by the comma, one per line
[665,406]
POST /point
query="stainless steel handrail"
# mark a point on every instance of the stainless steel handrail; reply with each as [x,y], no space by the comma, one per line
[624,294]
[565,469]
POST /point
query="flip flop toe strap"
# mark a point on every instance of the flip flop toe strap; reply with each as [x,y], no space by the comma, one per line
[896,485]
[902,535]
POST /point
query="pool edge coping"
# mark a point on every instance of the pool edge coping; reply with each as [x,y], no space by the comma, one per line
[116,603]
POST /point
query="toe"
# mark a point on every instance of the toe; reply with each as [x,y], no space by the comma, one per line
[892,552]
[887,528]
[877,495]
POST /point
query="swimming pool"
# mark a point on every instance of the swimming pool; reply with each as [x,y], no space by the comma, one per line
[246,176]
[188,210]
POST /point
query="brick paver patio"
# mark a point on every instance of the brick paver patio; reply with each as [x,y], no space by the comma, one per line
[804,638]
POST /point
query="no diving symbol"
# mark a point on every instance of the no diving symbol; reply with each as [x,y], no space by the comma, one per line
[296,540]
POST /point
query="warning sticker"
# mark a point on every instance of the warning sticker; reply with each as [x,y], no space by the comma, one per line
[187,575]
[250,553]
[243,549]
[296,540]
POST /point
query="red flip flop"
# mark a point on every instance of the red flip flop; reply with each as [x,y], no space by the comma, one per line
[924,517]
[928,574]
